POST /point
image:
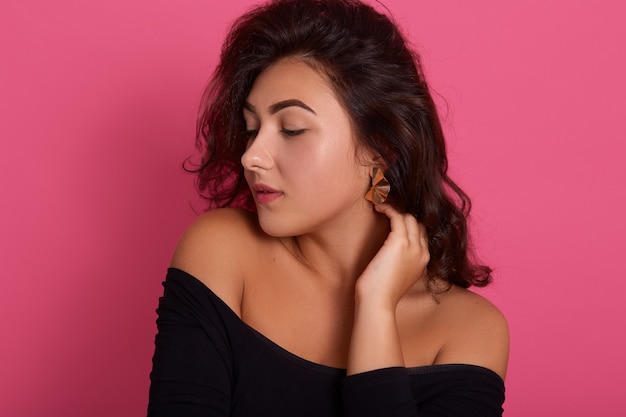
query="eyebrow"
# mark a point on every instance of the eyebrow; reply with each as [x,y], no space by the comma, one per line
[276,107]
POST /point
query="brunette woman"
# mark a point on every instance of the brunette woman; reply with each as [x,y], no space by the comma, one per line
[330,276]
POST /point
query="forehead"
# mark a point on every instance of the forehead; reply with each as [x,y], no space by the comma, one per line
[291,78]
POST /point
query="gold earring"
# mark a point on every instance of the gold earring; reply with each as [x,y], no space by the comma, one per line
[379,191]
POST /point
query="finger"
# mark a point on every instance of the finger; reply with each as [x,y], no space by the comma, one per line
[414,231]
[424,242]
[417,234]
[423,236]
[396,219]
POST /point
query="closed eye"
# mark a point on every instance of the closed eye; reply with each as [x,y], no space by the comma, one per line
[251,133]
[292,132]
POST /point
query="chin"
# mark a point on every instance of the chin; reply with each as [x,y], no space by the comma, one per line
[277,226]
[274,227]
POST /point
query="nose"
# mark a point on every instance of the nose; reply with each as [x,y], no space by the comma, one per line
[258,156]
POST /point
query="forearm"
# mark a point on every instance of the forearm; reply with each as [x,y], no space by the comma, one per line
[375,342]
[377,383]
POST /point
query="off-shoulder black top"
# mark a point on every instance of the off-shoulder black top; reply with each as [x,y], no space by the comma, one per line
[208,362]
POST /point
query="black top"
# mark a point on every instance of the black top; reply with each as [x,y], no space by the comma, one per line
[208,362]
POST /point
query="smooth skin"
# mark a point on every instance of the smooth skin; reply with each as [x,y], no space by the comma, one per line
[320,271]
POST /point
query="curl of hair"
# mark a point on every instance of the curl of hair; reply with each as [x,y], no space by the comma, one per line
[381,84]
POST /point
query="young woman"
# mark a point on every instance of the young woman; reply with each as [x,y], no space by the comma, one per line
[340,290]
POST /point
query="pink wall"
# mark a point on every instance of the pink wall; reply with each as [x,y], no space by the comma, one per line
[97,108]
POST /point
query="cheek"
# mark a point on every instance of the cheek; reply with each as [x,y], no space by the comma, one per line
[331,174]
[307,169]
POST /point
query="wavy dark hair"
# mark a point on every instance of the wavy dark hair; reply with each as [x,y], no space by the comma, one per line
[380,82]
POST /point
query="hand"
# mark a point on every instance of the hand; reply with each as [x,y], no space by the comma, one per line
[399,263]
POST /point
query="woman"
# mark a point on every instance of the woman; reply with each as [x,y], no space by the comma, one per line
[342,289]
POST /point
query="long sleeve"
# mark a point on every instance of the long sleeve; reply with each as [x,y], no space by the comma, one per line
[192,369]
[432,391]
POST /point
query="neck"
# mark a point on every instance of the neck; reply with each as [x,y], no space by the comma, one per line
[338,255]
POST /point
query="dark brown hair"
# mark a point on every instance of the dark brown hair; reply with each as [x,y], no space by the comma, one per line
[380,83]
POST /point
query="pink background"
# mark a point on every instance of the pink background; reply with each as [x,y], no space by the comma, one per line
[97,110]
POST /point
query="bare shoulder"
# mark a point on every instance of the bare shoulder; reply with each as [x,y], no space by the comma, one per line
[216,248]
[479,333]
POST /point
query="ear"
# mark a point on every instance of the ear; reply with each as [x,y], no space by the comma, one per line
[370,159]
[374,160]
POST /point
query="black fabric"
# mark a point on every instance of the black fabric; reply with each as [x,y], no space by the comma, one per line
[207,362]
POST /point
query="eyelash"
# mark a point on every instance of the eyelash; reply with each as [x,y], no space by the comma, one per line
[250,134]
[291,133]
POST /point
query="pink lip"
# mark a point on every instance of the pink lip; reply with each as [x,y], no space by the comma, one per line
[264,194]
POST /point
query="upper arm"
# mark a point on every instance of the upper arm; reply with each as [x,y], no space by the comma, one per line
[214,250]
[191,367]
[479,337]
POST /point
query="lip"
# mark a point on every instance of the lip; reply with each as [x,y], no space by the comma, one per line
[264,194]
